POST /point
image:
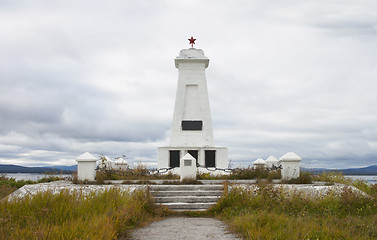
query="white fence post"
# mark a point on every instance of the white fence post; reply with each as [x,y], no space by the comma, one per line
[86,167]
[290,164]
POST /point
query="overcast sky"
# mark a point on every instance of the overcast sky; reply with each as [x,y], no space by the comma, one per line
[99,76]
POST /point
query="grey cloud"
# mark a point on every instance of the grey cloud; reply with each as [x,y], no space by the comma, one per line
[101,78]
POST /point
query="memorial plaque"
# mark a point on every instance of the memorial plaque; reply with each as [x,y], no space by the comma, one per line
[187,162]
[192,125]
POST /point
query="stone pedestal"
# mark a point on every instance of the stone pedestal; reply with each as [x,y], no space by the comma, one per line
[86,167]
[290,164]
[188,167]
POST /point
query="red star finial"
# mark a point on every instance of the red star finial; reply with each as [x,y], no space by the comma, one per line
[192,41]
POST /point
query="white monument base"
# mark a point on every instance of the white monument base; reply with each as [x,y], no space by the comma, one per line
[206,157]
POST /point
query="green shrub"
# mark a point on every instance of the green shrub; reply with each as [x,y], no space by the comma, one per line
[244,173]
[9,185]
[304,178]
[251,173]
[373,190]
[5,190]
[330,177]
[140,172]
[336,177]
[206,176]
[101,177]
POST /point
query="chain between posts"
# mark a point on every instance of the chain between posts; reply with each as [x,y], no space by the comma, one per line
[164,170]
[213,169]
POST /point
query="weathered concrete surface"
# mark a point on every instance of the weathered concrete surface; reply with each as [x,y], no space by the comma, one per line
[313,190]
[57,186]
[184,228]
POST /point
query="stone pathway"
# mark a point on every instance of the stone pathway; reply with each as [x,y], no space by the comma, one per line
[184,228]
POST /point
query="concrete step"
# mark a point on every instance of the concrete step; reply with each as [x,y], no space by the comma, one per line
[182,206]
[185,187]
[191,210]
[187,199]
[185,193]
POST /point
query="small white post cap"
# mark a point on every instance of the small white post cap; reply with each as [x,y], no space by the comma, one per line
[259,161]
[272,159]
[86,157]
[291,156]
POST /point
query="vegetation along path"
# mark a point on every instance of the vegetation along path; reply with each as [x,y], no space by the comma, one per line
[184,228]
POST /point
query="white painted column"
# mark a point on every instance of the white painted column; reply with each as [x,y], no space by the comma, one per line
[290,164]
[86,167]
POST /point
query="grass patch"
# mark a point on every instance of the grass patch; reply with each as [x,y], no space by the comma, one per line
[138,173]
[143,174]
[244,173]
[251,173]
[5,190]
[304,178]
[335,177]
[270,213]
[104,215]
[141,182]
[9,185]
[148,182]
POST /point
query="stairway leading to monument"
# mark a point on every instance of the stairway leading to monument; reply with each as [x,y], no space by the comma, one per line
[187,197]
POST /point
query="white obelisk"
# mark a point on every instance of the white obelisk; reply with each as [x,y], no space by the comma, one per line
[191,102]
[192,126]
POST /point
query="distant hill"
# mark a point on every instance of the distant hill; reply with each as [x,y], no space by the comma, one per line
[67,168]
[20,169]
[371,170]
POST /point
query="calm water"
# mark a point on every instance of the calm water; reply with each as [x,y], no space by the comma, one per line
[34,176]
[372,179]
